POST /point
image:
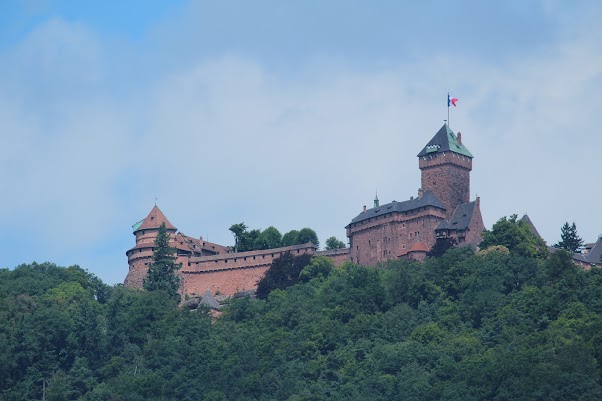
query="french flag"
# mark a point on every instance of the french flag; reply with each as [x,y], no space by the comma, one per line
[451,100]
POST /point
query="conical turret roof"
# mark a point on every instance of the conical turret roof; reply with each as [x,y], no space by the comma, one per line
[445,141]
[154,220]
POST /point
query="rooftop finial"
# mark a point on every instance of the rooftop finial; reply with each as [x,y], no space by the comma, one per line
[376,203]
[156,200]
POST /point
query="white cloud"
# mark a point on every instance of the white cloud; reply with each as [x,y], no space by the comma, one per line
[226,139]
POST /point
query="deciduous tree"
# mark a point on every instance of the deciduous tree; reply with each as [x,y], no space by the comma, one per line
[283,273]
[268,239]
[516,236]
[308,235]
[290,238]
[441,246]
[334,243]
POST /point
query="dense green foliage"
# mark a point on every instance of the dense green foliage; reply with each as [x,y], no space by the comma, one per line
[441,246]
[570,241]
[284,272]
[254,240]
[516,236]
[334,243]
[497,326]
[161,274]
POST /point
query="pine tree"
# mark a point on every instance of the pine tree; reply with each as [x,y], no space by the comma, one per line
[162,271]
[569,239]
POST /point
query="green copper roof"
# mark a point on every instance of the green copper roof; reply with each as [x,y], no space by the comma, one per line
[137,225]
[444,141]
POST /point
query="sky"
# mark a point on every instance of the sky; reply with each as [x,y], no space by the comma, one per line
[287,114]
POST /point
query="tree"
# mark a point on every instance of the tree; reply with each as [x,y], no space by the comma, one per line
[240,236]
[569,239]
[253,240]
[516,236]
[284,272]
[162,271]
[334,243]
[308,235]
[290,238]
[441,246]
[268,239]
[320,266]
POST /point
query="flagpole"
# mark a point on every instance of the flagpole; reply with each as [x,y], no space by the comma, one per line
[448,109]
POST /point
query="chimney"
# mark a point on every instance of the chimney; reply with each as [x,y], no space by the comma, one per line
[460,138]
[364,208]
[420,192]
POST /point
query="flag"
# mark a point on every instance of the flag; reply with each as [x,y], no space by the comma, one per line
[451,100]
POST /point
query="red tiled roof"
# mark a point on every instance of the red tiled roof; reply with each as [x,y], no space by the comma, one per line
[154,220]
[419,247]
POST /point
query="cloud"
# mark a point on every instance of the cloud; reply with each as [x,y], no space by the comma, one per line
[227,138]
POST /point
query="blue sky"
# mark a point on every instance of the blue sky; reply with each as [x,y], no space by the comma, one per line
[279,113]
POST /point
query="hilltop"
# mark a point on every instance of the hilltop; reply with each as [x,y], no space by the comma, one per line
[494,326]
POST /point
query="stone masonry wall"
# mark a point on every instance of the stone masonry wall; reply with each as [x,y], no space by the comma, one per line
[226,273]
[227,282]
[232,272]
[448,176]
[475,230]
[338,256]
[386,237]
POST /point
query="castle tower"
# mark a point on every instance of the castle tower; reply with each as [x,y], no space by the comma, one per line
[140,256]
[445,166]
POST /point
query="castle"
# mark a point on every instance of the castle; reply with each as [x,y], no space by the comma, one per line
[441,210]
[407,229]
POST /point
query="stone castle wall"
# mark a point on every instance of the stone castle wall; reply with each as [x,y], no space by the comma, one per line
[338,256]
[232,272]
[384,237]
[448,176]
[476,228]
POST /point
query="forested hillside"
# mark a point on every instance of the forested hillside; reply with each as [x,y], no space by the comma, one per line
[464,327]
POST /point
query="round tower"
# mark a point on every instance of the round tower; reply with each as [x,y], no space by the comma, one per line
[140,256]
